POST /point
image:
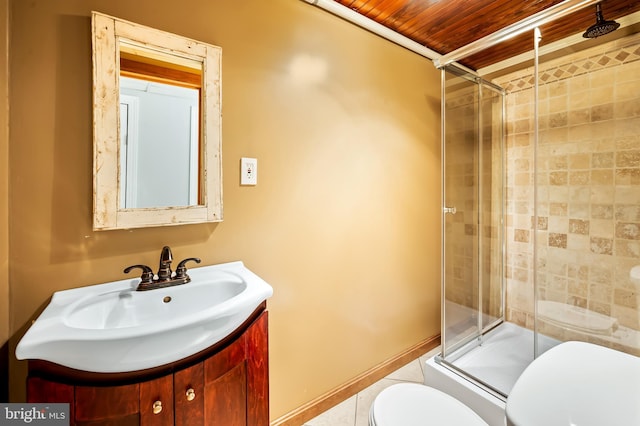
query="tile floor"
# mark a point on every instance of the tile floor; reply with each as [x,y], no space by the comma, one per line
[355,410]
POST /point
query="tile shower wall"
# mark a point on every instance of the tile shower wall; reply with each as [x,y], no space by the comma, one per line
[588,227]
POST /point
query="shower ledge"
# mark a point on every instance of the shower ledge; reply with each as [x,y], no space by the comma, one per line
[576,318]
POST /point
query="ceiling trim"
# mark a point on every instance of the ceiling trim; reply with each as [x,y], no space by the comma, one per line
[527,24]
[625,21]
[368,24]
[373,26]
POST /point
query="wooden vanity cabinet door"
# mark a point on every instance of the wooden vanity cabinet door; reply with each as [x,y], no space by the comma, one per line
[226,386]
[189,396]
[42,391]
[106,405]
[236,381]
[156,402]
[258,372]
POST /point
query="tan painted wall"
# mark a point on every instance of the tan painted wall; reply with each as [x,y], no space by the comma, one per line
[4,196]
[344,222]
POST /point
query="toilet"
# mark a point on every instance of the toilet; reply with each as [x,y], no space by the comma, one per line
[577,383]
[414,404]
[573,383]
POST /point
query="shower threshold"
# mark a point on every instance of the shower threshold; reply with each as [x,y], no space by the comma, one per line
[481,376]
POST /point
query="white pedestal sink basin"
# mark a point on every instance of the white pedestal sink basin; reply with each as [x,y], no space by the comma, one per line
[111,327]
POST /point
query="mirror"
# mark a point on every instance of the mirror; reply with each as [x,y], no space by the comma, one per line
[157,127]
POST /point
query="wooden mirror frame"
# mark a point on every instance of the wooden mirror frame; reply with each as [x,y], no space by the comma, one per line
[107,32]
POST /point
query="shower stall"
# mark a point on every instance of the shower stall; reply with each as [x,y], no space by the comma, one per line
[473,164]
[479,347]
[541,216]
[478,341]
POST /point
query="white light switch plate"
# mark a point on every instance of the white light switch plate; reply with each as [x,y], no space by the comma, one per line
[248,171]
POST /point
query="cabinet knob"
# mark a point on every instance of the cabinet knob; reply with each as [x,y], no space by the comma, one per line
[191,394]
[157,407]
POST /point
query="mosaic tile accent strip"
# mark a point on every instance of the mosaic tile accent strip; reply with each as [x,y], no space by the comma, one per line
[616,56]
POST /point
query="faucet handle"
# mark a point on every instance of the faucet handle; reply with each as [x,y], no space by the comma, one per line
[181,270]
[147,273]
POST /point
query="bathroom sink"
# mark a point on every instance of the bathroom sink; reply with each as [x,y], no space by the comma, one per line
[130,308]
[111,327]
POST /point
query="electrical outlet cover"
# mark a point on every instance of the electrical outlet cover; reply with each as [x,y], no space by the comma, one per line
[248,171]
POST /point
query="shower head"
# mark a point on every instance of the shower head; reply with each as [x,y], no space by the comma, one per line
[601,27]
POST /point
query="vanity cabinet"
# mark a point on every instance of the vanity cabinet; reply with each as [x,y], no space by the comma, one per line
[225,385]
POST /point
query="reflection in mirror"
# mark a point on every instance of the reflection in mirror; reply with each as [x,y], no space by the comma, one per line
[156,127]
[159,125]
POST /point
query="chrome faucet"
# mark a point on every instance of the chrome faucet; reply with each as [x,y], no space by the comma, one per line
[165,276]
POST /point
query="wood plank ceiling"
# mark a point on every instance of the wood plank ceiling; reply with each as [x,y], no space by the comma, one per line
[445,25]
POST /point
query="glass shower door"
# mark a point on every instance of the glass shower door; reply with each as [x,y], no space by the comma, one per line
[473,208]
[587,210]
[460,213]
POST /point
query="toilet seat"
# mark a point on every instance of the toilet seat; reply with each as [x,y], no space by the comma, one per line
[577,383]
[414,404]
